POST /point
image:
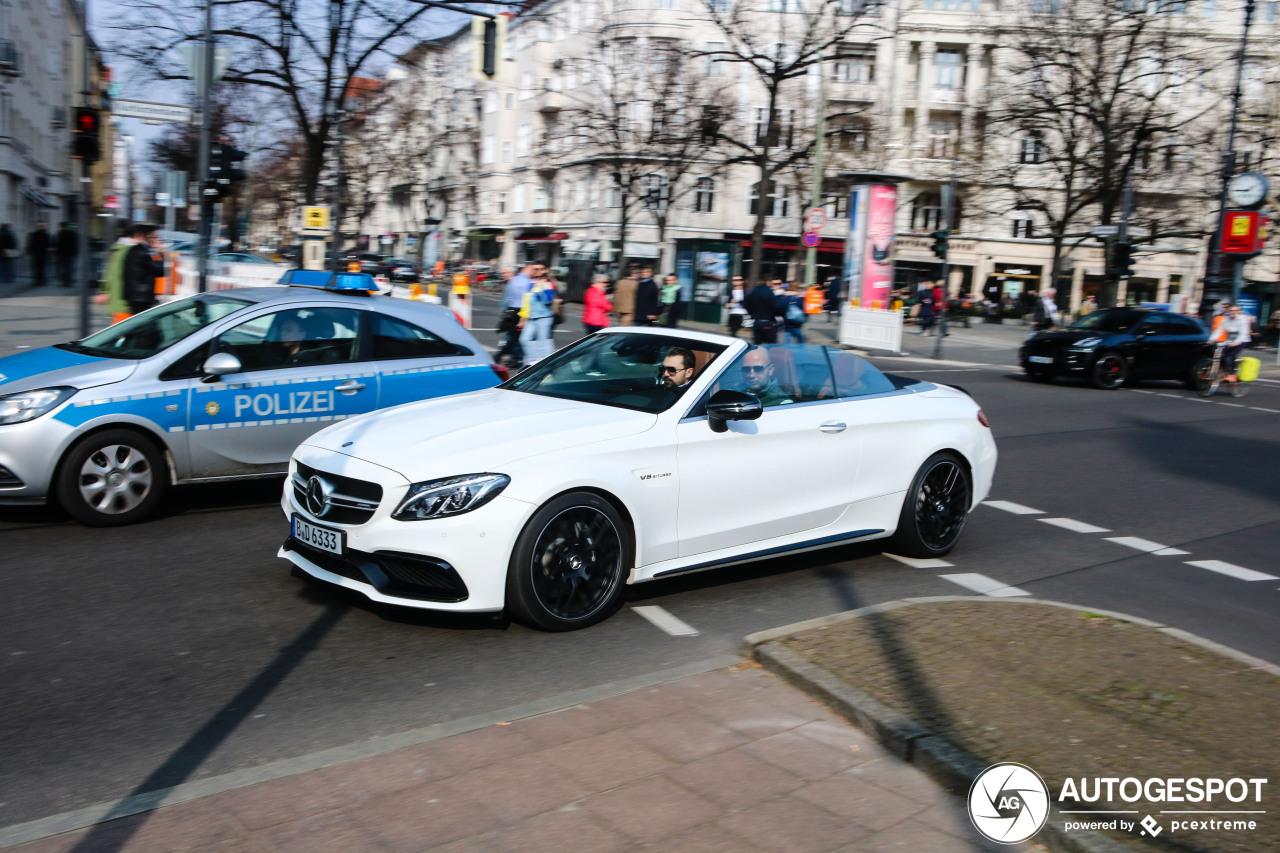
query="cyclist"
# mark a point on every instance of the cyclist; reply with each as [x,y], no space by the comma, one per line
[1234,332]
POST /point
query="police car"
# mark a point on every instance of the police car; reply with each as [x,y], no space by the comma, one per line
[217,386]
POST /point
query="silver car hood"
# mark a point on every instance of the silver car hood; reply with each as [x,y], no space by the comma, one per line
[50,366]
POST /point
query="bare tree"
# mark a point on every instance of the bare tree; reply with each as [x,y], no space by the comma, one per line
[1096,94]
[778,48]
[287,46]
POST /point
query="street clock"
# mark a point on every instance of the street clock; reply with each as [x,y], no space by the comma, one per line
[1248,189]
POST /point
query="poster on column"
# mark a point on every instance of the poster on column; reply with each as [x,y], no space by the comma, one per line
[869,249]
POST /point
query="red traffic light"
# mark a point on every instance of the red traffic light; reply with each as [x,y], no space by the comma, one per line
[86,120]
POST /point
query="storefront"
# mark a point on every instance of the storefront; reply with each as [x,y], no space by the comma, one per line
[541,245]
[1009,281]
[784,257]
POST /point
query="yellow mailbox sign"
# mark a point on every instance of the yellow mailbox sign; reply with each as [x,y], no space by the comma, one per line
[315,218]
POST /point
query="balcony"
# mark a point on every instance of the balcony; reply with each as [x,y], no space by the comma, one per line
[550,102]
[10,59]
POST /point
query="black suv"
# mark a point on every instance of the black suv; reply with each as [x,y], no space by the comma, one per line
[1111,346]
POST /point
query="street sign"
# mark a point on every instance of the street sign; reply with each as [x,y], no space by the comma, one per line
[811,239]
[111,202]
[316,218]
[193,56]
[815,219]
[162,199]
[1242,232]
[150,111]
[1105,230]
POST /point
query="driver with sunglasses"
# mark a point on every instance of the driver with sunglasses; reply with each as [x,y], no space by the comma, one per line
[678,367]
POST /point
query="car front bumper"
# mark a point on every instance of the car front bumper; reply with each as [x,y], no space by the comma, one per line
[30,452]
[454,564]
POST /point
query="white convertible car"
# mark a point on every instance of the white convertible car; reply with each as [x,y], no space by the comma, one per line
[631,455]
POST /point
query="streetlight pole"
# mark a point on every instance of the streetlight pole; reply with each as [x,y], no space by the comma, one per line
[948,211]
[819,152]
[206,123]
[83,196]
[1229,166]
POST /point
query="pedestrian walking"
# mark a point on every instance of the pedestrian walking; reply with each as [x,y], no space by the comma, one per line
[113,278]
[832,295]
[762,305]
[924,298]
[670,301]
[38,252]
[513,293]
[65,250]
[538,317]
[648,302]
[8,251]
[624,299]
[142,266]
[941,301]
[596,305]
[737,308]
[1044,313]
[793,315]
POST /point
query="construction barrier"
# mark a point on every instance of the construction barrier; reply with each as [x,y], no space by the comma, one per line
[460,300]
[871,329]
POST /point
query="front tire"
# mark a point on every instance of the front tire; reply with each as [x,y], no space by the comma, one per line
[569,566]
[1109,371]
[113,477]
[935,509]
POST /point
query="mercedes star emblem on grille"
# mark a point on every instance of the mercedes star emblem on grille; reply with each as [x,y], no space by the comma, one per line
[318,492]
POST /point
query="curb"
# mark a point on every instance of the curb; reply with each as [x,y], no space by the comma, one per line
[951,767]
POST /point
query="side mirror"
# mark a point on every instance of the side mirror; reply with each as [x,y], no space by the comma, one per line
[726,405]
[220,364]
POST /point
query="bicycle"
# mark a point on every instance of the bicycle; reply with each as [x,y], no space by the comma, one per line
[1209,376]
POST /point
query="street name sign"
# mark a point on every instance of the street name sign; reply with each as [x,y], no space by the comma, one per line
[1105,230]
[150,111]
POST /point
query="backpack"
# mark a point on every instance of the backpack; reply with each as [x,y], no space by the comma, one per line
[795,315]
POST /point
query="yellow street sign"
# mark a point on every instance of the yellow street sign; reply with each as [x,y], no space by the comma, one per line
[315,217]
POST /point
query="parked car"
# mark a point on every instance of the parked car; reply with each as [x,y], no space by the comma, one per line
[1115,345]
[370,262]
[404,270]
[609,462]
[216,386]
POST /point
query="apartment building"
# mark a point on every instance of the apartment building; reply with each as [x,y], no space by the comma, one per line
[503,174]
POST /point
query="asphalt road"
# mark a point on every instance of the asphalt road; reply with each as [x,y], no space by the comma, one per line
[140,657]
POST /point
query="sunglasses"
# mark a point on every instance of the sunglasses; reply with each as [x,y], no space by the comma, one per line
[755,368]
[671,371]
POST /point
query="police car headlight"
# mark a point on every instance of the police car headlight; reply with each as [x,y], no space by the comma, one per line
[29,405]
[450,496]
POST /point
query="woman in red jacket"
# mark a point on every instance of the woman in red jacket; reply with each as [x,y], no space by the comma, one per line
[596,305]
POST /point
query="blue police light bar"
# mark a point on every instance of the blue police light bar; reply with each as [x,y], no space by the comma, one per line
[356,282]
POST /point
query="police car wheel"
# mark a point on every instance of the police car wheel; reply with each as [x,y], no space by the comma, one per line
[113,477]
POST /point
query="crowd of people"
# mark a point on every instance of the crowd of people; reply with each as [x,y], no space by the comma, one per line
[64,246]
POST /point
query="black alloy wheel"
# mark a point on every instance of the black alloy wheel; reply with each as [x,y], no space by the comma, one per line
[935,509]
[570,564]
[1110,371]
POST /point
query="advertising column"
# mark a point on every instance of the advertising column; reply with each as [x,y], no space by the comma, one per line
[869,250]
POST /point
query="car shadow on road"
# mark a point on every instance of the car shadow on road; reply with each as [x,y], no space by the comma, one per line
[181,500]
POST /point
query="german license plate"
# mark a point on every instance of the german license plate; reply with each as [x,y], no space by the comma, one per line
[1041,359]
[320,538]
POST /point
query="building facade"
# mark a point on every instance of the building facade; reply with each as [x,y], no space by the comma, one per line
[501,170]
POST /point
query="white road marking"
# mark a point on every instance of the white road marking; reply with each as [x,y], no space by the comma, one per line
[1140,391]
[985,585]
[917,563]
[1074,526]
[1268,381]
[1234,405]
[665,621]
[1232,570]
[1174,396]
[1260,409]
[1197,400]
[1010,506]
[1146,545]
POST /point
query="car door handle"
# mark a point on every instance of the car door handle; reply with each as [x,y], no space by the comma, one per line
[351,386]
[832,427]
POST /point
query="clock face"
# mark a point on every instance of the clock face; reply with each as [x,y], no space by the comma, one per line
[1248,189]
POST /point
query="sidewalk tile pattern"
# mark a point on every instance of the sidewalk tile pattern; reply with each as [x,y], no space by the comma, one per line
[732,761]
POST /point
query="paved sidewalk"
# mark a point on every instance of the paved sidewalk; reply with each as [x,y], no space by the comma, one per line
[732,760]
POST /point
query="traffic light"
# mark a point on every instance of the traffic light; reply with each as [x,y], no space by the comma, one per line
[224,169]
[1122,260]
[939,246]
[84,135]
[489,51]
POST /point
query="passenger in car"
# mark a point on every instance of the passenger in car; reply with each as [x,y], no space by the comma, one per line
[758,379]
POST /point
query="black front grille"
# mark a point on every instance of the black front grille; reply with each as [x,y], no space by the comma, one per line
[9,480]
[390,572]
[347,491]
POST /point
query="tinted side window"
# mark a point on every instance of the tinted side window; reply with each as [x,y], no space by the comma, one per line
[394,338]
[1184,326]
[857,377]
[294,338]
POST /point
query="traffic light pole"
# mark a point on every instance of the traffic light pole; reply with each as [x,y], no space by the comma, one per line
[82,197]
[202,173]
[949,207]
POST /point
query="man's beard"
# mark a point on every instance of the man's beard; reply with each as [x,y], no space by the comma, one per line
[669,383]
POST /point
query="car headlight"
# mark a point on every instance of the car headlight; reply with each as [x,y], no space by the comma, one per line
[450,496]
[29,405]
[1086,343]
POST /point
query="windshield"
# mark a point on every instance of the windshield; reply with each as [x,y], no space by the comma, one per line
[647,373]
[154,331]
[1109,320]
